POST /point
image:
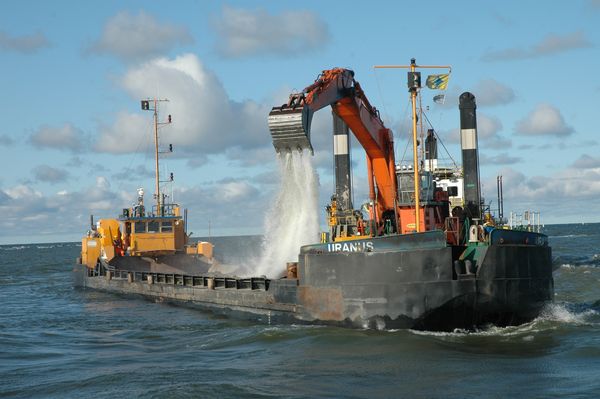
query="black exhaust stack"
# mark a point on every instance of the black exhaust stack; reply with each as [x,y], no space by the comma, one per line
[470,155]
[341,154]
[431,152]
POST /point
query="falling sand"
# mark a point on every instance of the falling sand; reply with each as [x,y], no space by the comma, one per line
[293,219]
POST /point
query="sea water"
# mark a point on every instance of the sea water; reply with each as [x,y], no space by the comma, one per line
[57,341]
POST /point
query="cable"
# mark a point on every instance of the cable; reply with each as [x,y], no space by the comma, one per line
[440,140]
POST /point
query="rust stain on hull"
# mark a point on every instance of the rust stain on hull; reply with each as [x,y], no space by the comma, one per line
[322,303]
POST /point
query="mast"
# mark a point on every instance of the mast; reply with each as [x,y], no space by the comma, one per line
[414,85]
[146,107]
[157,172]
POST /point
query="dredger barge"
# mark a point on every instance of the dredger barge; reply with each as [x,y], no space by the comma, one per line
[420,254]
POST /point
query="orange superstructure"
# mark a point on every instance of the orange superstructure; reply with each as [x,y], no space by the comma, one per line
[143,239]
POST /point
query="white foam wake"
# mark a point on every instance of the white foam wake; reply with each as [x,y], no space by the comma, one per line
[293,218]
[560,313]
[553,316]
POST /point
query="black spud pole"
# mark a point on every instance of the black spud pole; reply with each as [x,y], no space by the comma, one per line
[341,151]
[470,156]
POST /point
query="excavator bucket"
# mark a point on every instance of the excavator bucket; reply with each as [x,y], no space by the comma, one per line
[290,128]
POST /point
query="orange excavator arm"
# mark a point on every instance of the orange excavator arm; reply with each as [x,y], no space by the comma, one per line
[290,128]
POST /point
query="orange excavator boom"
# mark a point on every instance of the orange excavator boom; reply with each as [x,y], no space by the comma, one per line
[290,128]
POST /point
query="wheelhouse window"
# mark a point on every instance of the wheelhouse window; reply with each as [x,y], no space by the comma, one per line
[140,227]
[153,226]
[166,227]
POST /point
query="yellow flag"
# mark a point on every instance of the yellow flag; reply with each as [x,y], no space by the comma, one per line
[438,81]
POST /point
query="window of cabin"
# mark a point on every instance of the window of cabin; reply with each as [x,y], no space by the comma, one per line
[140,227]
[153,227]
[166,227]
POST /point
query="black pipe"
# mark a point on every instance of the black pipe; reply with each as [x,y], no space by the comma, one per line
[470,156]
[498,190]
[501,201]
[431,152]
[431,145]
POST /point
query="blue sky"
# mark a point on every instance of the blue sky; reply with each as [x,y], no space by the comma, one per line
[74,141]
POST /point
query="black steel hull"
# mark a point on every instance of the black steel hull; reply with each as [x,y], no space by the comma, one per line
[397,283]
[419,289]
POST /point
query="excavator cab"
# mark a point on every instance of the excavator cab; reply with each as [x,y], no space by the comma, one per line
[290,126]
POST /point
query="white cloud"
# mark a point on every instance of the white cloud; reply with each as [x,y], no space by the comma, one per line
[489,92]
[45,173]
[23,44]
[132,173]
[66,137]
[129,133]
[233,205]
[551,44]
[32,215]
[544,120]
[21,192]
[205,119]
[197,161]
[488,128]
[236,206]
[587,162]
[499,159]
[568,184]
[559,196]
[141,36]
[245,33]
[235,191]
[102,183]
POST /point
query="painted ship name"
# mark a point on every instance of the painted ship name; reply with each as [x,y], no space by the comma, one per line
[361,246]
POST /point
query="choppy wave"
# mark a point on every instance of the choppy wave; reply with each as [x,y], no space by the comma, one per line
[577,261]
[570,267]
[19,247]
[15,248]
[564,313]
[570,236]
[553,316]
